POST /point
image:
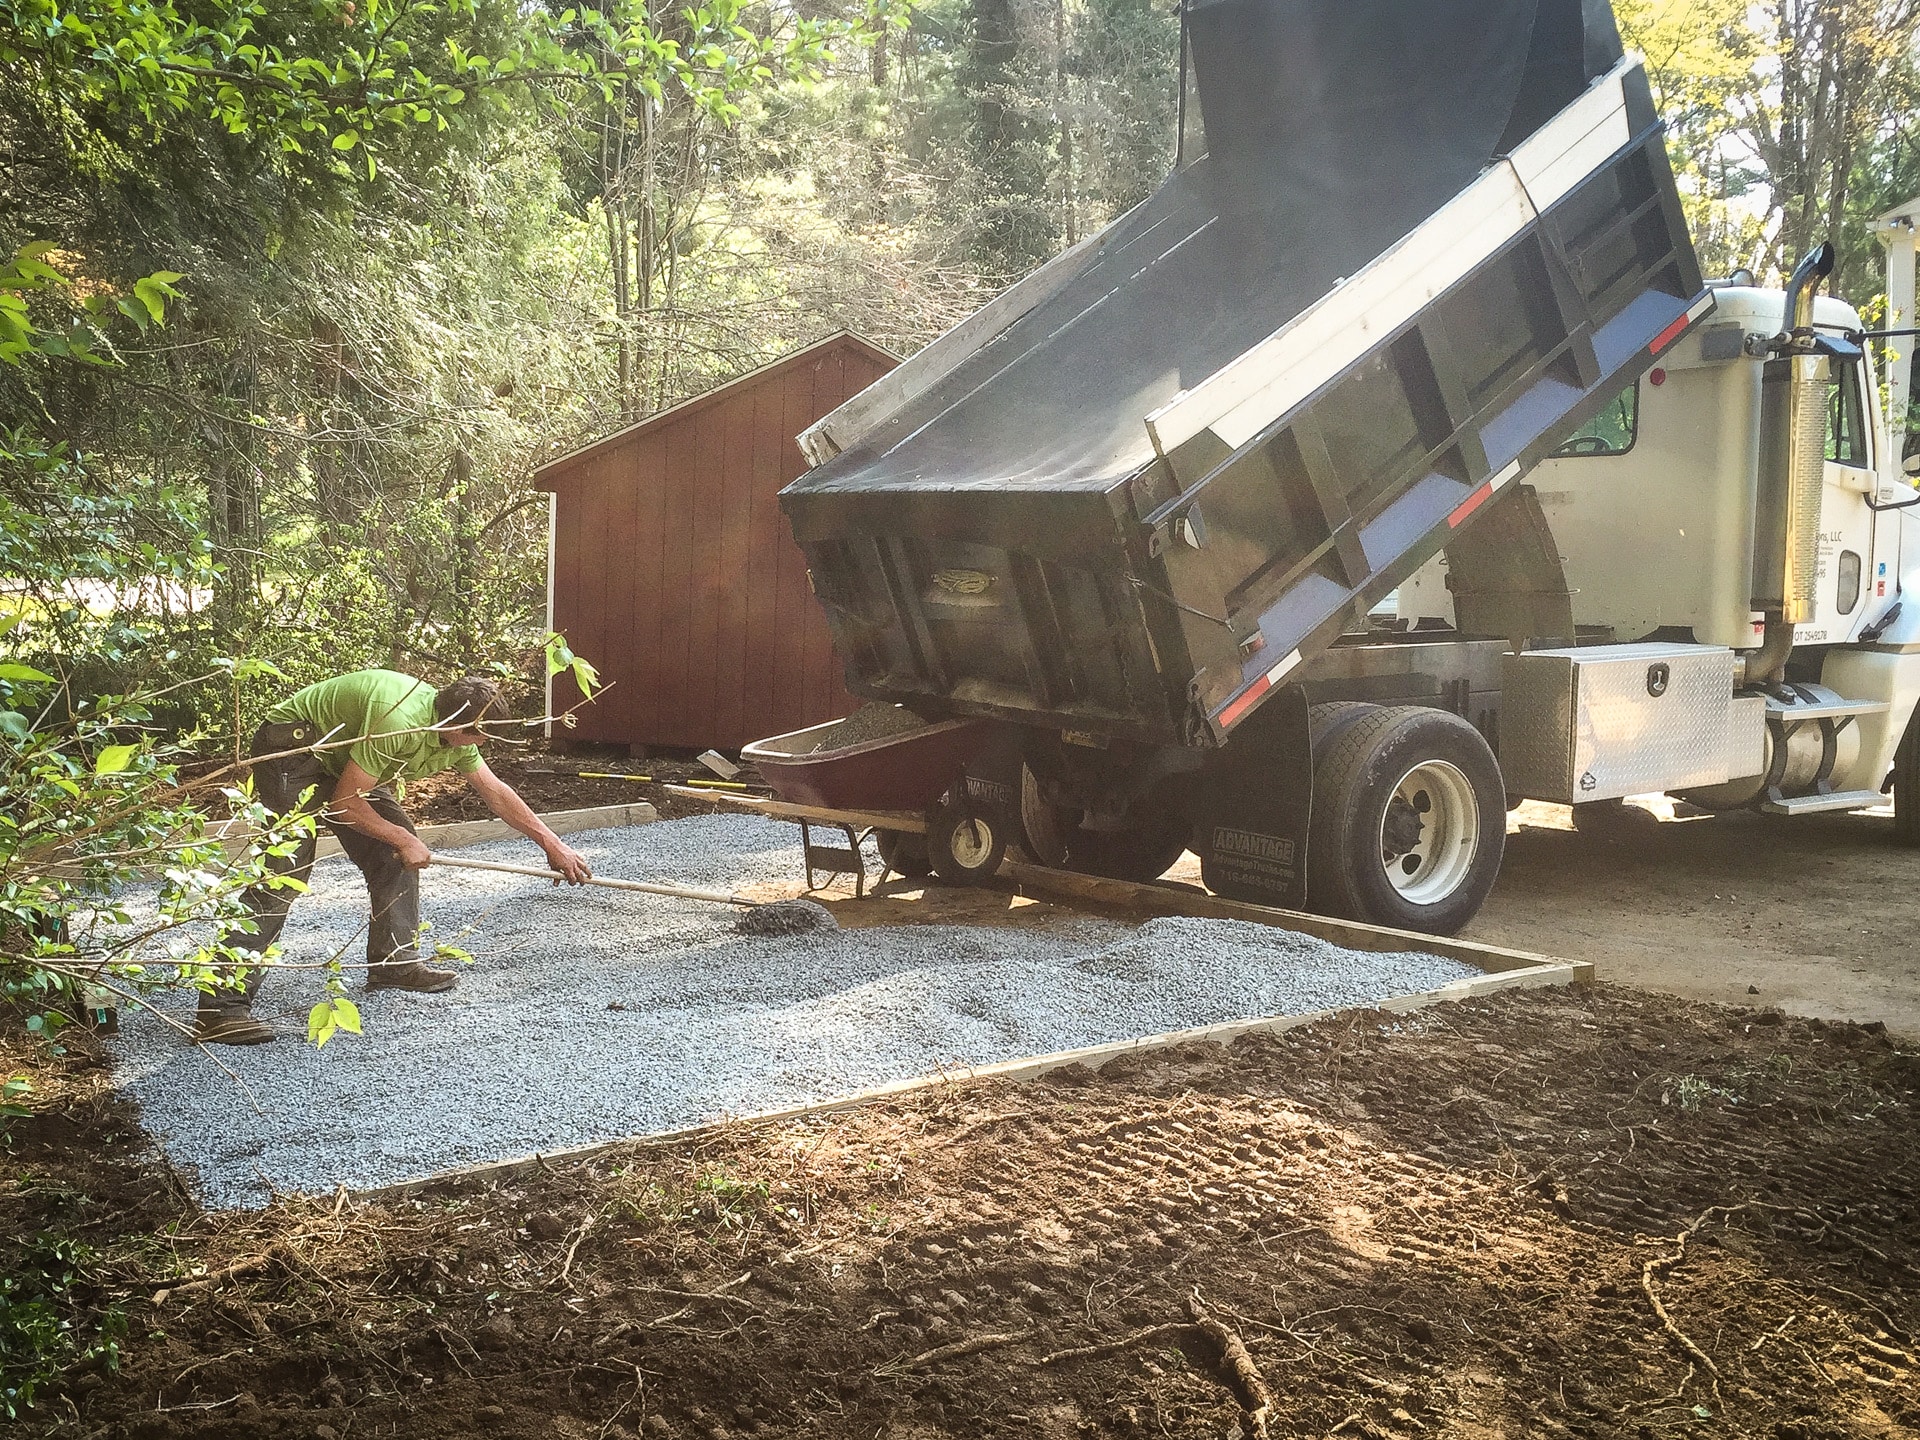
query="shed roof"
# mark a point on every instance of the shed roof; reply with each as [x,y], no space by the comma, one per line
[545,475]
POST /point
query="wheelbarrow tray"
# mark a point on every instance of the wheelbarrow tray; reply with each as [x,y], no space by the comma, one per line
[908,771]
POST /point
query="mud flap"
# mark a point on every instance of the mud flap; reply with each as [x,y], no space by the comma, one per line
[992,781]
[1254,804]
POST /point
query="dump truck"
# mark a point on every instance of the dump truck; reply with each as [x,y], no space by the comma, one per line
[1392,464]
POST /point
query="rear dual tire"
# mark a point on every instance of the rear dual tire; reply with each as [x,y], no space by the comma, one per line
[1143,849]
[1409,816]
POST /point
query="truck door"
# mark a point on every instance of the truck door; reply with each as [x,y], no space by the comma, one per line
[1845,574]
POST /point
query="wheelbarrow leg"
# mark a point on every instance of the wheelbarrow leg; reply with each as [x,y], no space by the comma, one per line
[834,860]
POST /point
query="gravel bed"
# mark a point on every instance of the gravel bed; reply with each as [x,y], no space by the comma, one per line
[592,1015]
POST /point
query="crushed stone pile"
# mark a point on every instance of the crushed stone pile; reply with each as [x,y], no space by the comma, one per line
[786,917]
[591,1015]
[870,722]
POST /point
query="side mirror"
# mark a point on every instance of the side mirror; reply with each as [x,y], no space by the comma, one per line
[1910,467]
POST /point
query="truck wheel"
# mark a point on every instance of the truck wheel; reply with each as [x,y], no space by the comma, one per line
[1043,829]
[964,848]
[1327,722]
[1409,821]
[1141,852]
[1906,785]
[904,854]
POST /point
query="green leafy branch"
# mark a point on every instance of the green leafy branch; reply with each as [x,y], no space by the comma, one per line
[562,660]
[30,281]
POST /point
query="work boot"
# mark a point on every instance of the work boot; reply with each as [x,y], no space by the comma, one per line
[212,1026]
[410,975]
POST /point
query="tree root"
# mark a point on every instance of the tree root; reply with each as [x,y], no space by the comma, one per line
[1659,1266]
[566,1269]
[1111,1347]
[242,1269]
[1248,1384]
[957,1349]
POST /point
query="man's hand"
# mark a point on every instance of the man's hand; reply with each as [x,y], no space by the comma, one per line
[351,806]
[570,863]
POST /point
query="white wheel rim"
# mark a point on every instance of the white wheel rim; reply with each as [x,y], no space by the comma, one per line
[972,843]
[1440,798]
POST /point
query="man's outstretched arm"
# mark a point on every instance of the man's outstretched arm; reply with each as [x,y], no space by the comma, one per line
[504,801]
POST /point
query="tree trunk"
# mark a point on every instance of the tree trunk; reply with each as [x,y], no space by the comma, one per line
[1061,118]
[466,628]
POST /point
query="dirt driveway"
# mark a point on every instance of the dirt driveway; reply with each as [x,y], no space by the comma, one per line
[1817,913]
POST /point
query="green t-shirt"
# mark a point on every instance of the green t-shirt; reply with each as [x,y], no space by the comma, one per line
[368,707]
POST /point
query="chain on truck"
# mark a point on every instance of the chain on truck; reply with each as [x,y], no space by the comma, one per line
[1392,464]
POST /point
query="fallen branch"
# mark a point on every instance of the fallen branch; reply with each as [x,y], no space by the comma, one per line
[1248,1384]
[958,1349]
[1109,1347]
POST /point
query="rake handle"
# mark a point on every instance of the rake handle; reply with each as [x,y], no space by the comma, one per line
[678,892]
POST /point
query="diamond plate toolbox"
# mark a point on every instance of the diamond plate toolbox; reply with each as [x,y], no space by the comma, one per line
[1602,721]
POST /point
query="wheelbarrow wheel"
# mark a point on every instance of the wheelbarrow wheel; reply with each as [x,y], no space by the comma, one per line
[904,854]
[964,848]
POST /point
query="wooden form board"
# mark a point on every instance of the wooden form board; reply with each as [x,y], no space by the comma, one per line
[1501,969]
[1159,899]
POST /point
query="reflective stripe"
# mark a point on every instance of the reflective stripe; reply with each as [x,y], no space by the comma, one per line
[1467,506]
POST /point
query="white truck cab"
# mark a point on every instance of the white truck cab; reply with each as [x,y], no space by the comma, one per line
[1661,511]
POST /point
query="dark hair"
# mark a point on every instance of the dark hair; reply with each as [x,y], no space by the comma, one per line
[467,702]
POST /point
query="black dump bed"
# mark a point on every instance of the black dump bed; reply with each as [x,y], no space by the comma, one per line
[1424,241]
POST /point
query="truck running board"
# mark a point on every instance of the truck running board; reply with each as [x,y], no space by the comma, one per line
[1825,710]
[1822,804]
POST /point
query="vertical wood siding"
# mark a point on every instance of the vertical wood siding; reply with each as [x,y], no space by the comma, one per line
[676,574]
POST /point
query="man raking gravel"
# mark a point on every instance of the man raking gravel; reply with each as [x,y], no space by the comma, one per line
[351,741]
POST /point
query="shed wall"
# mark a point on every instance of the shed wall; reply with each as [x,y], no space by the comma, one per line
[675,573]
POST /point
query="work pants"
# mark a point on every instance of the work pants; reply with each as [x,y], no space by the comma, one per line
[392,889]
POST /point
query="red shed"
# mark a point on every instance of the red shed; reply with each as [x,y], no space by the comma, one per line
[671,568]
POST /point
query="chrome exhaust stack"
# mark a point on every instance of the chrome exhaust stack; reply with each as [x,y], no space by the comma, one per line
[1807,434]
[1787,564]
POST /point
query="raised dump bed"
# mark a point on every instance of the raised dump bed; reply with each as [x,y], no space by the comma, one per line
[1420,245]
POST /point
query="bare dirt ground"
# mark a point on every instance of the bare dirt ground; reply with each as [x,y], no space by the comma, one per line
[1817,914]
[1467,1223]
